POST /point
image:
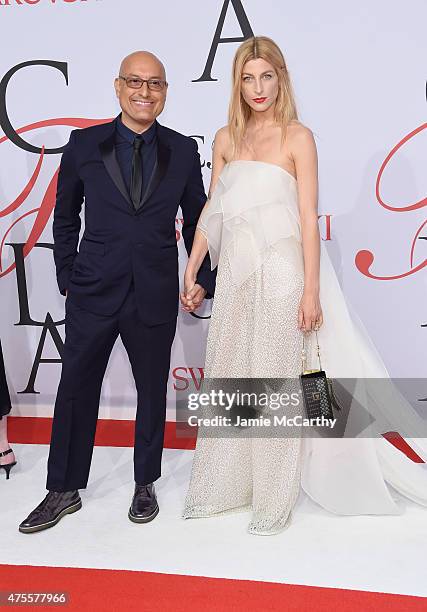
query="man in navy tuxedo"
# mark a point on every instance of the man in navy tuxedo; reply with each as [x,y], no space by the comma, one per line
[132,175]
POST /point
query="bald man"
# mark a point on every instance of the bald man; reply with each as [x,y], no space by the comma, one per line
[123,281]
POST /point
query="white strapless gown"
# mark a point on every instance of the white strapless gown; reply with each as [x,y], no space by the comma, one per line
[253,230]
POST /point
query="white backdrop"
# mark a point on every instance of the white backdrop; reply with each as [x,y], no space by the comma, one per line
[359,75]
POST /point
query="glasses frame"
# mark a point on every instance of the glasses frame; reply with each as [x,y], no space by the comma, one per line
[163,83]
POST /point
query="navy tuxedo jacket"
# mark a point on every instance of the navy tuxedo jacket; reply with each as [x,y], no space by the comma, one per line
[120,244]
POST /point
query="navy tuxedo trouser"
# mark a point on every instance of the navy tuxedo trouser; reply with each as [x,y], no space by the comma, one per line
[89,340]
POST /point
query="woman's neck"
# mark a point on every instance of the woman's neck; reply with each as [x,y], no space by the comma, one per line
[260,120]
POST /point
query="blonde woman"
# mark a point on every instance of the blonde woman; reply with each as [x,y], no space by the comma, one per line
[275,283]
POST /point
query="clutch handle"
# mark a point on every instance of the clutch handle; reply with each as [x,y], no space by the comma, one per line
[304,354]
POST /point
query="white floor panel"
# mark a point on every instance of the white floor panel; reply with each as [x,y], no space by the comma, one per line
[368,553]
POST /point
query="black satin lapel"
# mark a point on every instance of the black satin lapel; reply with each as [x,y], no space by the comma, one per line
[163,157]
[108,154]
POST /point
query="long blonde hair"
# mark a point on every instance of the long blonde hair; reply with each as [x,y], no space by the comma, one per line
[239,111]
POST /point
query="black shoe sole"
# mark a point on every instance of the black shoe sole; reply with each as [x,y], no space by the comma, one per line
[146,519]
[49,524]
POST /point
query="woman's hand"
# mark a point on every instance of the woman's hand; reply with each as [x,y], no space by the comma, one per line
[310,315]
[193,294]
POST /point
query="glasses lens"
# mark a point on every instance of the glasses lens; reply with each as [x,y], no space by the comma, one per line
[155,84]
[134,83]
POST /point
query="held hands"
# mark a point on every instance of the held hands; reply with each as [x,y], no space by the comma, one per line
[193,294]
[310,315]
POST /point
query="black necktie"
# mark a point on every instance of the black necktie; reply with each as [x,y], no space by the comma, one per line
[136,177]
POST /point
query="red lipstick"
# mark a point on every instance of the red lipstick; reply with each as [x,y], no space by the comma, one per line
[259,100]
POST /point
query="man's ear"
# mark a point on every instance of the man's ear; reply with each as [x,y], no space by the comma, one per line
[117,87]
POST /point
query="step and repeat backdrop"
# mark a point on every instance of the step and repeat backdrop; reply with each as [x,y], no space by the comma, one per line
[359,72]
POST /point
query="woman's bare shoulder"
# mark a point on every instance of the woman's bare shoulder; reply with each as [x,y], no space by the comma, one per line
[297,131]
[301,141]
[222,138]
[222,144]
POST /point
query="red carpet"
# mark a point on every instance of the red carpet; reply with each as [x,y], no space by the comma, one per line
[91,589]
[36,430]
[109,432]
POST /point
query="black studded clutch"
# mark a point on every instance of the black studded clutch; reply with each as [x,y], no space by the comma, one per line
[316,389]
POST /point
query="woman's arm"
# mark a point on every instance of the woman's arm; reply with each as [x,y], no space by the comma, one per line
[190,297]
[304,153]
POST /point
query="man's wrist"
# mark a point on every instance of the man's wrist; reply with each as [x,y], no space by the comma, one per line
[201,286]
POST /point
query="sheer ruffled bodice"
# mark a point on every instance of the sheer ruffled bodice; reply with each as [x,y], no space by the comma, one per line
[245,218]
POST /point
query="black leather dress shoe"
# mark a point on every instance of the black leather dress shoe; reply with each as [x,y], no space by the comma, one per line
[144,507]
[51,510]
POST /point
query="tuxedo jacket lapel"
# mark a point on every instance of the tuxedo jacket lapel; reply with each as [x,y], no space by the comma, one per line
[108,154]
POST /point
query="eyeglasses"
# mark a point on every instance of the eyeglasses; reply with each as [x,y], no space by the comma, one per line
[137,83]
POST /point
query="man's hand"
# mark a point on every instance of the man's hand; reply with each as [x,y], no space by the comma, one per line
[193,294]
